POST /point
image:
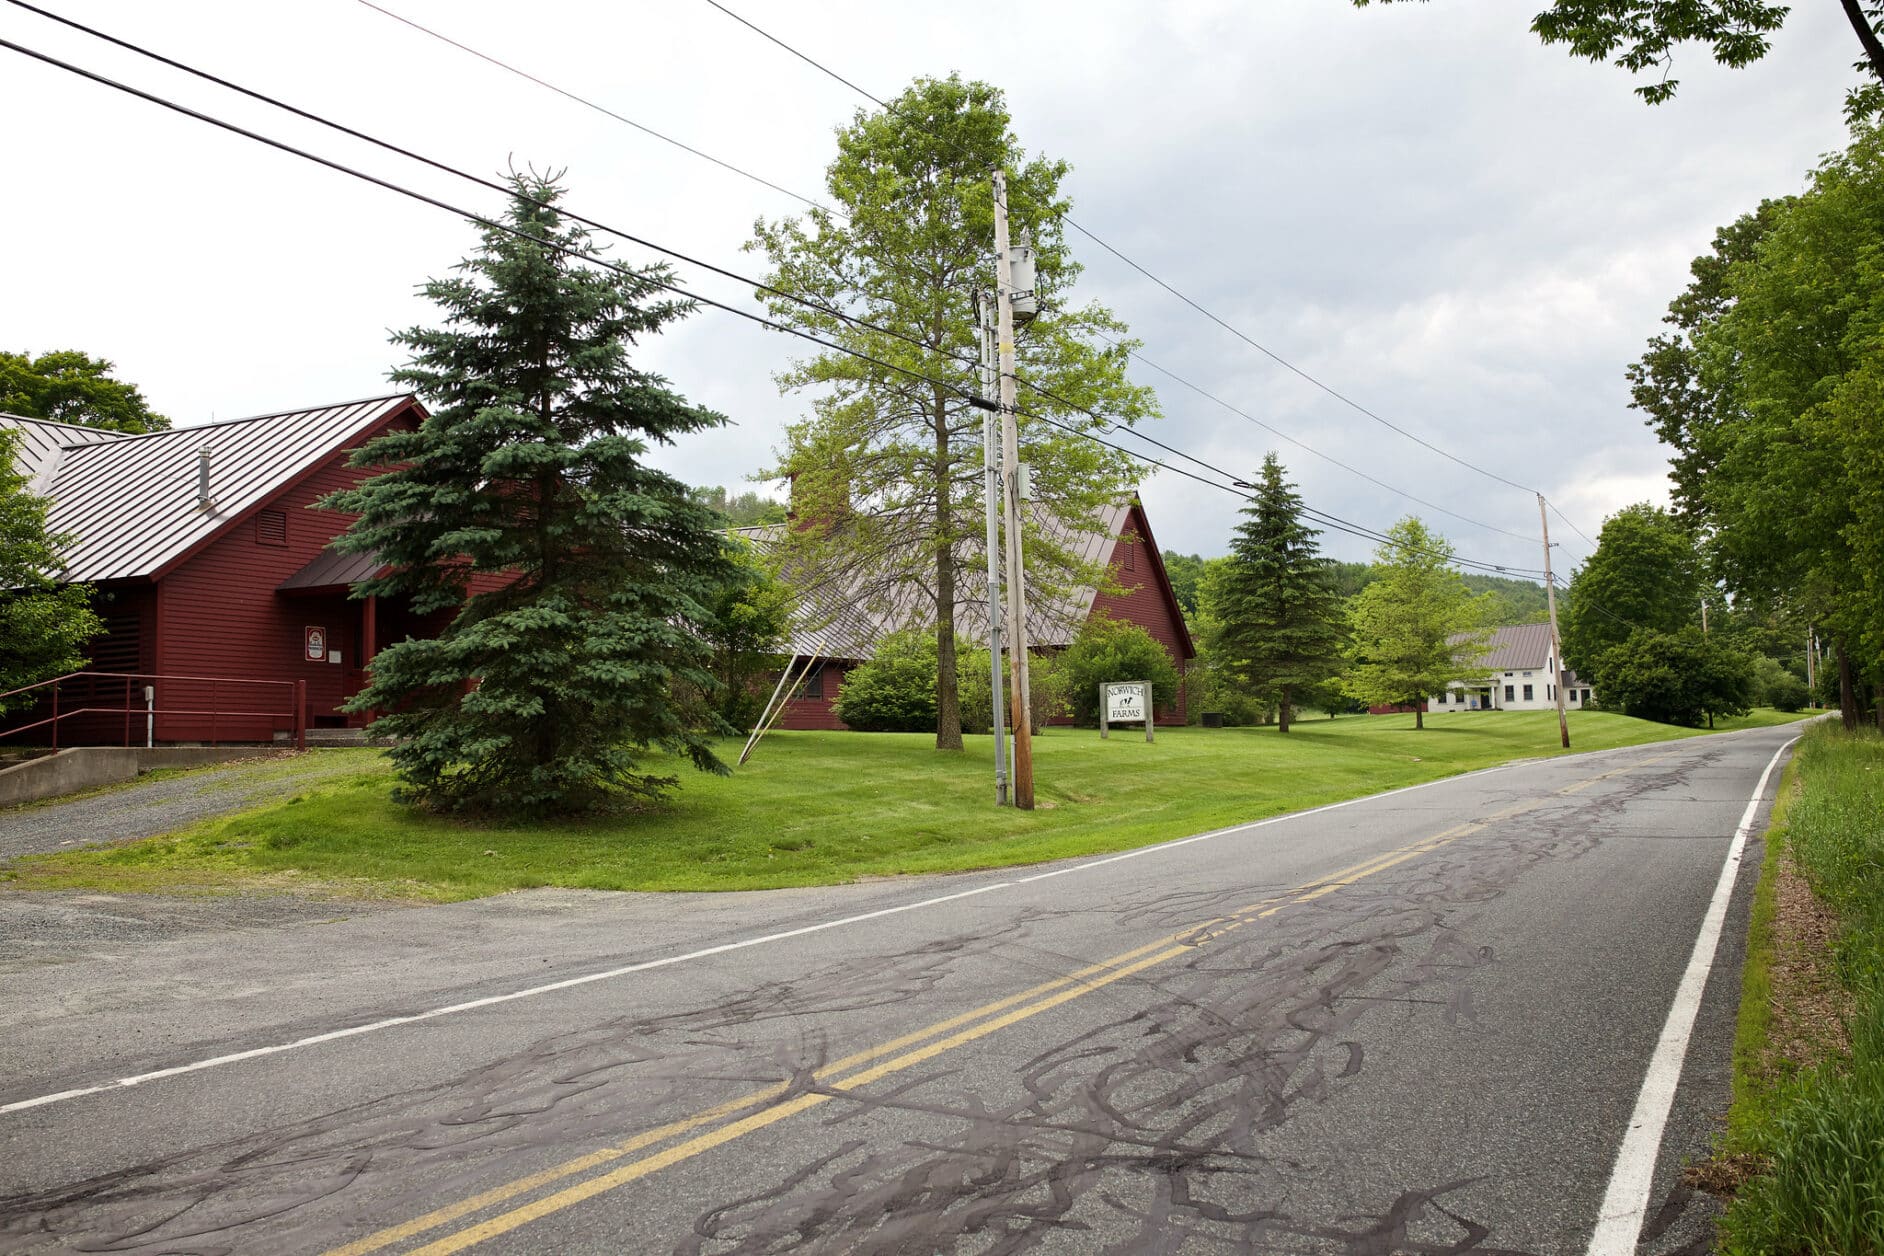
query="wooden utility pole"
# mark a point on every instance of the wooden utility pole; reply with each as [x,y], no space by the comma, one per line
[1703,614]
[1022,704]
[1556,641]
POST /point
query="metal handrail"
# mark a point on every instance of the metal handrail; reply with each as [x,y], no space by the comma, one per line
[296,714]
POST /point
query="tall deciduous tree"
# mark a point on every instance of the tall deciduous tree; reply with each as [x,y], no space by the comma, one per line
[1778,467]
[1416,628]
[1644,574]
[887,468]
[67,386]
[1278,618]
[546,692]
[43,624]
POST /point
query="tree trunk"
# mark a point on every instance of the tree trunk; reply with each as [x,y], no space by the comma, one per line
[1847,692]
[1419,714]
[948,696]
[1878,695]
[1282,710]
[1873,50]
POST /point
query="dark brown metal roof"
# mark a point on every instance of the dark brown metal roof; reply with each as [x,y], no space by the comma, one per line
[42,446]
[333,569]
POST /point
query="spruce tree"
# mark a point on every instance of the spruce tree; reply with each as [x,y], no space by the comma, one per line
[577,574]
[1273,600]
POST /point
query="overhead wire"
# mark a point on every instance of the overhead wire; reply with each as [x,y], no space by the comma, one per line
[817,204]
[591,259]
[1168,287]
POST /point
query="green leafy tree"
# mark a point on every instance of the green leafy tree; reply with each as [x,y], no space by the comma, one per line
[1644,574]
[1185,571]
[1416,628]
[67,386]
[1674,678]
[748,617]
[740,510]
[894,690]
[545,693]
[887,469]
[1278,617]
[1640,35]
[1781,468]
[44,624]
[1105,650]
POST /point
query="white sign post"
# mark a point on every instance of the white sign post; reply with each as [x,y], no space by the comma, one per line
[1124,702]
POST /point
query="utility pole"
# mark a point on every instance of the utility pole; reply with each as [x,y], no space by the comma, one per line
[1812,672]
[1556,641]
[991,494]
[1010,497]
[1704,614]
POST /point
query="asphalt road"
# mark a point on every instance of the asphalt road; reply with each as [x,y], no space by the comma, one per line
[1415,1023]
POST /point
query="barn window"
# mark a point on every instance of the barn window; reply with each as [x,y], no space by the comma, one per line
[271,527]
[814,683]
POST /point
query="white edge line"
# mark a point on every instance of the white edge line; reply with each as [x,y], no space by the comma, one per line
[391,1022]
[1625,1202]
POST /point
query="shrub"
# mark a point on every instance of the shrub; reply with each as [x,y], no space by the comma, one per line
[1109,650]
[1789,694]
[894,692]
[972,676]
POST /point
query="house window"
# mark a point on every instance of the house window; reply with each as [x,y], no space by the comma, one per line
[1586,697]
[1442,699]
[271,527]
[1527,693]
[1507,691]
[1550,691]
[814,683]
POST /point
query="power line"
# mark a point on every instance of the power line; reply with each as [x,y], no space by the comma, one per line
[816,204]
[584,101]
[1175,292]
[639,276]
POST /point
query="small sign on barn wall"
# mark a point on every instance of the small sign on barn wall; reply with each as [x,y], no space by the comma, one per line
[315,645]
[1124,702]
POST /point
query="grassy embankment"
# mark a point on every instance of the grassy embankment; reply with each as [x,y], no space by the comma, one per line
[822,808]
[1809,1057]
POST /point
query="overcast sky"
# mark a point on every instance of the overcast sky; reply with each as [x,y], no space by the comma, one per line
[1464,231]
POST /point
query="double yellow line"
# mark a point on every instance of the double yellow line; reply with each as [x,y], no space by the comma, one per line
[724,1123]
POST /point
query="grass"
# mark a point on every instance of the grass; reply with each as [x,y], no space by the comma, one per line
[823,808]
[1820,1133]
[1755,1079]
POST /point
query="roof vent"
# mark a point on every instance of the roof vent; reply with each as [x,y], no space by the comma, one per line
[204,501]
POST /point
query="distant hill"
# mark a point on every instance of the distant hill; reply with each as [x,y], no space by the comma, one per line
[1519,601]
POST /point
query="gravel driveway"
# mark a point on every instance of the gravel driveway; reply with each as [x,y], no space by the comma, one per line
[147,808]
[55,927]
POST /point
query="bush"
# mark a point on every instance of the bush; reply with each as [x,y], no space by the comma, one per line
[1109,650]
[894,692]
[1674,678]
[972,677]
[1788,695]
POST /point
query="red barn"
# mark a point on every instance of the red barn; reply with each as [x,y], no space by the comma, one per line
[211,561]
[840,629]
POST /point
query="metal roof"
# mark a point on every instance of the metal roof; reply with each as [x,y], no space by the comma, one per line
[333,569]
[131,502]
[841,615]
[42,446]
[1524,647]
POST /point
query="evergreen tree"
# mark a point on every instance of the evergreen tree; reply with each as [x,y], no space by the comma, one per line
[1278,618]
[43,624]
[546,691]
[1417,628]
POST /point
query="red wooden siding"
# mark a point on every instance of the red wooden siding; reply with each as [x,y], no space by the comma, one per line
[219,614]
[1143,600]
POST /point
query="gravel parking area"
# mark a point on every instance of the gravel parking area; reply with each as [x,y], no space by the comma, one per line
[38,928]
[149,807]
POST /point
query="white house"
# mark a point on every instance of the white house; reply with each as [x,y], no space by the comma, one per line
[1522,675]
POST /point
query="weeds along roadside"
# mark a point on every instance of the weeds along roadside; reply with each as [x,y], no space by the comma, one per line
[1819,1132]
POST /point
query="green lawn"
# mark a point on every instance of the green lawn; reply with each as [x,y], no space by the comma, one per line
[821,808]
